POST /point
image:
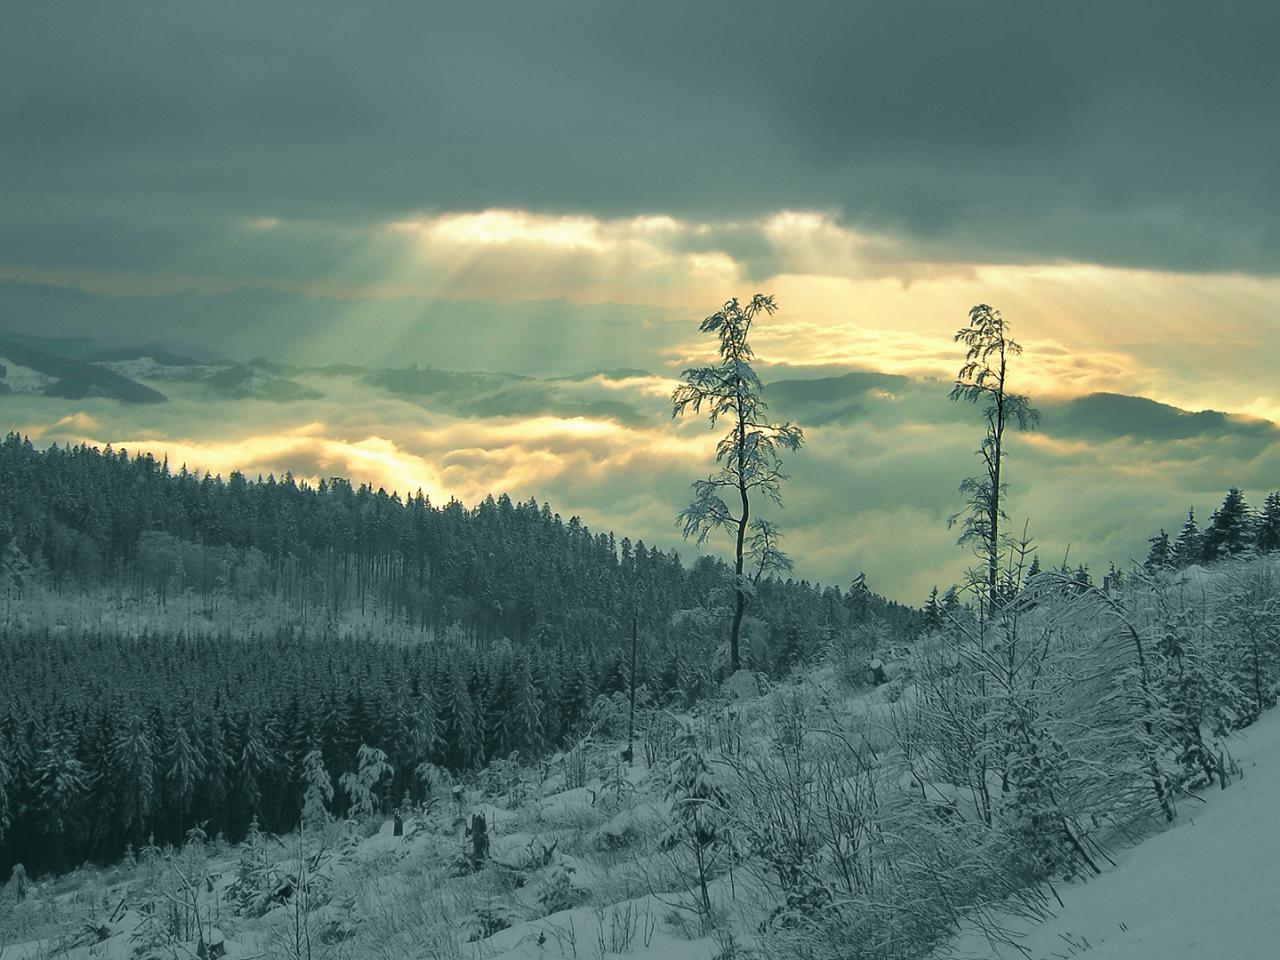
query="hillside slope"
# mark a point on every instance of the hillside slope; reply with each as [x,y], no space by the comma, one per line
[581,881]
[1208,887]
[27,369]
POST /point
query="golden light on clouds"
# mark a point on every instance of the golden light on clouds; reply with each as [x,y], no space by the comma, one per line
[509,227]
[848,298]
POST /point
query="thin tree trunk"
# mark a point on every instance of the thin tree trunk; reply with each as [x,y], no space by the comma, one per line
[740,605]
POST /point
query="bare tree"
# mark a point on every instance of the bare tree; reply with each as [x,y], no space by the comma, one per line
[983,379]
[748,455]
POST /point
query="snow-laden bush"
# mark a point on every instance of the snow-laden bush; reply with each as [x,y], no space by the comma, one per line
[490,916]
[557,892]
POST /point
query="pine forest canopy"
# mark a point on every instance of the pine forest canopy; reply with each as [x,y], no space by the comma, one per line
[112,737]
[1234,529]
[499,570]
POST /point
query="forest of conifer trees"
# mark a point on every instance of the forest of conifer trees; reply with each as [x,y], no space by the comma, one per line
[512,634]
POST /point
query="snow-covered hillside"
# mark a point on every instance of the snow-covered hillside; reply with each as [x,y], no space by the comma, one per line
[821,818]
[20,379]
[567,878]
[1208,887]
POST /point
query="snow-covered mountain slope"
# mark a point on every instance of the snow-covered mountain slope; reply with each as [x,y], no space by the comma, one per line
[822,817]
[26,369]
[573,873]
[1207,888]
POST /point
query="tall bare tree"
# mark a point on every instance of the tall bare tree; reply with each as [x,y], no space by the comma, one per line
[983,380]
[748,456]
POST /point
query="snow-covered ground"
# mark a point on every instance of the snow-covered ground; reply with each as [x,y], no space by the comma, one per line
[22,379]
[590,857]
[1207,888]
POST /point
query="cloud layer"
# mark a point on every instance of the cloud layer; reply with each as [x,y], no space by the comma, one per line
[1124,133]
[870,491]
[554,187]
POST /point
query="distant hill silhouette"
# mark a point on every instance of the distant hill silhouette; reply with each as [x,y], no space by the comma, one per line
[77,379]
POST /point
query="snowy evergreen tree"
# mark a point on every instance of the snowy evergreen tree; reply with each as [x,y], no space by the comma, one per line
[1033,571]
[698,804]
[1268,525]
[6,787]
[317,790]
[423,729]
[183,771]
[255,762]
[211,798]
[61,783]
[1160,556]
[1189,545]
[133,757]
[527,715]
[1230,531]
[933,610]
[362,786]
[1194,696]
[461,726]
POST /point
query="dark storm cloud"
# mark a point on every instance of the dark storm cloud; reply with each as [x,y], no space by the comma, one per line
[1135,133]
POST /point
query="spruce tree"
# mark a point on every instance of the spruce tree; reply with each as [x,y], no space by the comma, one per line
[211,799]
[61,784]
[183,771]
[1230,530]
[1188,546]
[933,610]
[1034,570]
[527,719]
[6,781]
[463,746]
[1160,556]
[699,810]
[1268,526]
[134,760]
[423,729]
[362,787]
[317,790]
[255,761]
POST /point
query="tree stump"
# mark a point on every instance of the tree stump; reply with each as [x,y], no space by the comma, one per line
[18,882]
[397,825]
[479,834]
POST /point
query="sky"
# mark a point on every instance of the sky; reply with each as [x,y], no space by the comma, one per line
[554,188]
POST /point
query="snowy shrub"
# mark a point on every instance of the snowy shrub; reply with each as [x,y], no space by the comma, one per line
[659,730]
[699,824]
[608,715]
[577,768]
[557,892]
[489,917]
[1247,627]
[892,691]
[615,785]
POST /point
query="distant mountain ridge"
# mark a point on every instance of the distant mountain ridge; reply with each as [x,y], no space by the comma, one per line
[28,369]
[78,368]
